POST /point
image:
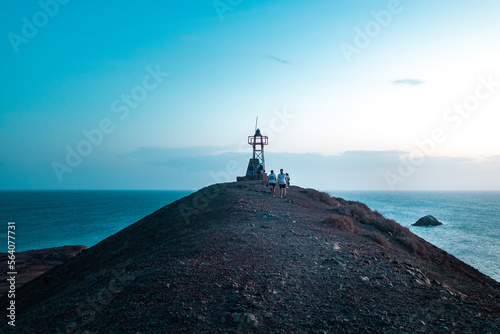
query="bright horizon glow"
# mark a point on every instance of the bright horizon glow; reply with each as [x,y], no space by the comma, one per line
[226,68]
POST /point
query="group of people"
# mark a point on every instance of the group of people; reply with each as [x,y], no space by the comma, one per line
[283,181]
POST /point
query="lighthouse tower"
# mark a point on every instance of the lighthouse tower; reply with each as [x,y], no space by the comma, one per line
[256,165]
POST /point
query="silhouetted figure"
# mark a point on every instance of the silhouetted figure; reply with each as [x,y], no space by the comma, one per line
[260,171]
[272,182]
[282,183]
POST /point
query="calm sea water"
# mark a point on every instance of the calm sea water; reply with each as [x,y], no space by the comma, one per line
[56,218]
[471,229]
[471,221]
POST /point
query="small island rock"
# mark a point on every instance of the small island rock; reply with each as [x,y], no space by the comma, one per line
[427,221]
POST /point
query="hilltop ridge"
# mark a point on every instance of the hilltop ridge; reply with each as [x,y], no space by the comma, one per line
[230,259]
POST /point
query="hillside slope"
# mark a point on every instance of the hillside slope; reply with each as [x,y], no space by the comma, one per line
[31,264]
[230,259]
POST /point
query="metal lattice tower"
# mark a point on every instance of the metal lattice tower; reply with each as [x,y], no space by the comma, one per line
[258,141]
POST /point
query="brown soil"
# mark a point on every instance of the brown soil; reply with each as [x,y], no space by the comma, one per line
[33,263]
[230,259]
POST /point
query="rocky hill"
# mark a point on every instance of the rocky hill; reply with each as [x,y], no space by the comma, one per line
[33,263]
[230,259]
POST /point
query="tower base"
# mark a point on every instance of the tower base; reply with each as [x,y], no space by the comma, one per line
[262,177]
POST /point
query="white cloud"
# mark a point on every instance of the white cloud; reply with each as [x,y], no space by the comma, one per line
[279,60]
[408,82]
[351,170]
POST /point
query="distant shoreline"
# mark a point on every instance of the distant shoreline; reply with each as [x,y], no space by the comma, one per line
[33,263]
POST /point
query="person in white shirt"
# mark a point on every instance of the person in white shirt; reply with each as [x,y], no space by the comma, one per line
[282,183]
[287,179]
[272,181]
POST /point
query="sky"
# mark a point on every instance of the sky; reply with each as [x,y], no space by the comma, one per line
[353,95]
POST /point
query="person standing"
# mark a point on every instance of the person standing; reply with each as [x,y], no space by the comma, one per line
[272,182]
[260,170]
[282,183]
[287,179]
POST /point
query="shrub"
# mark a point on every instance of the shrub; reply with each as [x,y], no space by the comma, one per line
[361,213]
[343,223]
[320,196]
[390,226]
[414,245]
[357,211]
[327,199]
[380,239]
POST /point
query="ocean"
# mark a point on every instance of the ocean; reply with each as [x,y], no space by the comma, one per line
[47,219]
[44,219]
[471,221]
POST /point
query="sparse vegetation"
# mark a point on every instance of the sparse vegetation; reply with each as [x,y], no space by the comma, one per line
[414,245]
[343,223]
[374,226]
[327,199]
[380,239]
[362,214]
[391,227]
[321,196]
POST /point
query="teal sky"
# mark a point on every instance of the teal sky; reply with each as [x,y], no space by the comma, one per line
[162,95]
